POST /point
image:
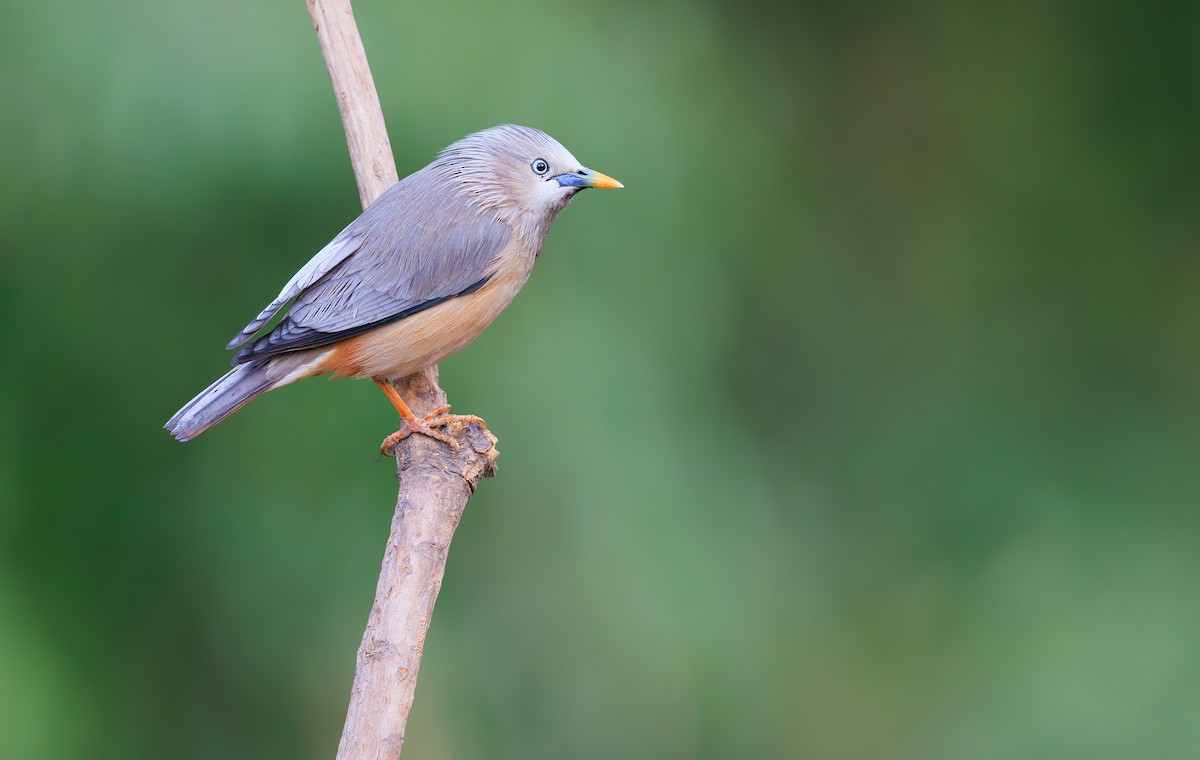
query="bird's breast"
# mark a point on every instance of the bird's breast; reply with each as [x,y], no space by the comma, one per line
[430,336]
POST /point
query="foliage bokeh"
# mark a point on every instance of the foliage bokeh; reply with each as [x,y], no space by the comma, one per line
[863,423]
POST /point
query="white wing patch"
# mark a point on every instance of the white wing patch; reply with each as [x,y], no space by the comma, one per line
[317,267]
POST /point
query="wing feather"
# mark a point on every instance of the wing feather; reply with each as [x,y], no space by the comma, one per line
[316,268]
[421,243]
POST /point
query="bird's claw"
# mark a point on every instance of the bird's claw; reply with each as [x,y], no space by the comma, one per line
[428,426]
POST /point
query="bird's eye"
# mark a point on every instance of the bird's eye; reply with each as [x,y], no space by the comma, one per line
[540,166]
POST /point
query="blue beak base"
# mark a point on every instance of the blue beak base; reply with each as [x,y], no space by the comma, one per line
[586,178]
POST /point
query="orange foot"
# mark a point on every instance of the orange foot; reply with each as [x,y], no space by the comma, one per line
[427,426]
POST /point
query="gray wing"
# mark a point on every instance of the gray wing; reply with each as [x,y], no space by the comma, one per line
[318,266]
[418,245]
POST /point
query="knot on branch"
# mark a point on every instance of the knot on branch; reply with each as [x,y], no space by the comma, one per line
[475,458]
[476,455]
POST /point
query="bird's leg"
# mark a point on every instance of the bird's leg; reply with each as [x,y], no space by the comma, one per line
[414,424]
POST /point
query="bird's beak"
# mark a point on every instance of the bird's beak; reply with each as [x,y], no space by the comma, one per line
[586,178]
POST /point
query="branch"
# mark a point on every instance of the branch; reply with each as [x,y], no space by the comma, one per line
[435,482]
[346,61]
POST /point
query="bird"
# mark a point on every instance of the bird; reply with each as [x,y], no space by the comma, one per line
[414,279]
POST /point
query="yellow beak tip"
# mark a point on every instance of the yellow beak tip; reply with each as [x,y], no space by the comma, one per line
[603,181]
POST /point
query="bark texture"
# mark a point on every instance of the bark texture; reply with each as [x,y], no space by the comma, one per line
[435,484]
[435,481]
[346,61]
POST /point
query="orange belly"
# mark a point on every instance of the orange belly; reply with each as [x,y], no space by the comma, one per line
[426,338]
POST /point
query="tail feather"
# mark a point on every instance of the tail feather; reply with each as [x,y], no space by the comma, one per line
[216,402]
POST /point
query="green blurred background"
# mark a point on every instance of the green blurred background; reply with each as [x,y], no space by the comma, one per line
[863,424]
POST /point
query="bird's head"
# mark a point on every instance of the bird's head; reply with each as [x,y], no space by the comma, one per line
[521,174]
